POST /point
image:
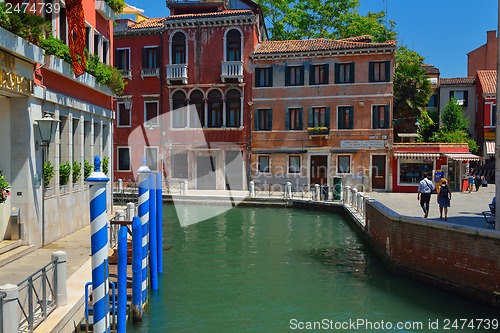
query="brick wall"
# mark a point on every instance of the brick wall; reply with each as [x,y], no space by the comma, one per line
[463,260]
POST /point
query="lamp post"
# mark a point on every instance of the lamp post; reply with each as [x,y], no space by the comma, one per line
[47,127]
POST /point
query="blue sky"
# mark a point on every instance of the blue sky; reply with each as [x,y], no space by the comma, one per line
[443,31]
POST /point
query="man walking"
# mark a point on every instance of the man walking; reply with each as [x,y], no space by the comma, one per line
[425,188]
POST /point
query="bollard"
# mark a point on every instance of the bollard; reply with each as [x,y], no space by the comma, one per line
[252,189]
[184,187]
[317,193]
[61,289]
[346,194]
[130,211]
[159,221]
[153,251]
[354,198]
[288,190]
[10,309]
[99,243]
[144,216]
[120,185]
[122,280]
[136,269]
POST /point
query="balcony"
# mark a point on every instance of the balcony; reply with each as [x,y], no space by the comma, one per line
[149,72]
[126,73]
[177,72]
[102,8]
[231,71]
[318,132]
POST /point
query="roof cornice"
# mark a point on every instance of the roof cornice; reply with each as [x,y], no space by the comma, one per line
[323,53]
[216,21]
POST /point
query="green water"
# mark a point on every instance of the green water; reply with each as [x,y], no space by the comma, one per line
[280,270]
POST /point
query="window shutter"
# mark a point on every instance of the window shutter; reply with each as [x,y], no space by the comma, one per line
[301,125]
[340,117]
[375,117]
[158,57]
[387,71]
[370,72]
[118,62]
[256,125]
[287,119]
[270,83]
[301,75]
[387,117]
[451,94]
[257,77]
[351,117]
[270,119]
[466,98]
[311,75]
[327,72]
[310,120]
[327,117]
[336,73]
[144,58]
[287,76]
[351,77]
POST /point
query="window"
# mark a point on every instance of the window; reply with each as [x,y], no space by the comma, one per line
[294,76]
[151,112]
[62,24]
[124,118]
[380,116]
[233,45]
[461,96]
[123,158]
[179,112]
[263,119]
[433,101]
[493,115]
[214,109]
[150,57]
[293,164]
[197,100]
[318,74]
[179,48]
[88,39]
[345,117]
[293,119]
[379,71]
[105,51]
[344,73]
[264,164]
[264,77]
[319,117]
[180,166]
[344,164]
[122,59]
[233,107]
[151,154]
[412,171]
[97,43]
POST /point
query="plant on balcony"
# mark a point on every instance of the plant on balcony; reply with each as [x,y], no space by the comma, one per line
[105,74]
[48,173]
[30,27]
[87,169]
[77,171]
[4,188]
[64,173]
[116,5]
[318,130]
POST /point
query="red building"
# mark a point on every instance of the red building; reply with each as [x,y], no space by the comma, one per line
[486,81]
[190,85]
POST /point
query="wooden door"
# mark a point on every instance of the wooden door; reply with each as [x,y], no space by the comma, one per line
[319,169]
[378,172]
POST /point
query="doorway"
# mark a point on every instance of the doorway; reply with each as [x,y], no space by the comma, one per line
[378,172]
[319,169]
[206,176]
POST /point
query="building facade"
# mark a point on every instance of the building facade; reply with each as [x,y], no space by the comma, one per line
[322,109]
[486,81]
[33,85]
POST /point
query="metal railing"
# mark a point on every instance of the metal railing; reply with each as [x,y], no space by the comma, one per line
[112,311]
[37,297]
[2,296]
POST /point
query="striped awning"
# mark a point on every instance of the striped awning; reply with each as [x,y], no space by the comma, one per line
[416,156]
[490,147]
[462,156]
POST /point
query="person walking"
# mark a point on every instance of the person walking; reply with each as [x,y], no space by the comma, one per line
[470,181]
[425,188]
[478,181]
[443,199]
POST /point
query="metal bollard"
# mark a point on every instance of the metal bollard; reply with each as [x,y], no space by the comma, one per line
[10,310]
[184,187]
[61,288]
[288,190]
[252,189]
[346,194]
[130,211]
[354,198]
[120,185]
[317,194]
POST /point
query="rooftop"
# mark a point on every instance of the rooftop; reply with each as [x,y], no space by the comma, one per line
[457,81]
[488,80]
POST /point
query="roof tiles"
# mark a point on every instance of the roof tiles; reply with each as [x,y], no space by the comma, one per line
[456,81]
[211,14]
[488,80]
[149,23]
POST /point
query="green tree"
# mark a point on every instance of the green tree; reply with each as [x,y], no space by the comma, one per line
[454,126]
[412,90]
[372,24]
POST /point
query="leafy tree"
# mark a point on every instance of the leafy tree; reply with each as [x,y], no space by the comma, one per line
[412,90]
[372,24]
[454,126]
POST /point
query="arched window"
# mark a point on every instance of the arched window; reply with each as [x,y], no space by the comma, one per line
[233,45]
[179,110]
[179,48]
[198,117]
[214,109]
[233,105]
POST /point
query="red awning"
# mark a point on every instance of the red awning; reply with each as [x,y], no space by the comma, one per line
[416,155]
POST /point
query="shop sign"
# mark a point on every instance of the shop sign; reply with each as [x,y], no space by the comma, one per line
[360,144]
[10,79]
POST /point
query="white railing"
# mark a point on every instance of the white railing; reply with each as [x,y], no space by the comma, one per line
[232,70]
[145,72]
[126,73]
[354,200]
[177,72]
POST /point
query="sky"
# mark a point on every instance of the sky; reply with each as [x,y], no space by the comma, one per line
[443,31]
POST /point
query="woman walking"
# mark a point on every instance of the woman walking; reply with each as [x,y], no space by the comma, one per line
[443,198]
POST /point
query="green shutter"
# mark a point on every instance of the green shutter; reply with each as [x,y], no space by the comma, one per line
[351,77]
[301,75]
[375,123]
[340,118]
[387,71]
[301,125]
[270,83]
[310,119]
[144,58]
[287,75]
[269,119]
[287,119]
[327,72]
[256,125]
[387,116]
[311,75]
[327,117]
[466,98]
[351,117]
[336,73]
[257,77]
[370,72]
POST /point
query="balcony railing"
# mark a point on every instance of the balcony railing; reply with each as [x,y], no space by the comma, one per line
[147,72]
[232,70]
[126,73]
[177,72]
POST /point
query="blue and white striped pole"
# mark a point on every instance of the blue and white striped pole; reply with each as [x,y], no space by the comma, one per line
[122,280]
[159,221]
[143,211]
[99,245]
[153,251]
[136,269]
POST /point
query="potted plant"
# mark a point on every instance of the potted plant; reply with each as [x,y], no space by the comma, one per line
[64,173]
[105,164]
[77,173]
[318,130]
[4,189]
[48,174]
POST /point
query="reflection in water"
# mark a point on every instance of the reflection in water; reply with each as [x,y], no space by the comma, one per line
[256,269]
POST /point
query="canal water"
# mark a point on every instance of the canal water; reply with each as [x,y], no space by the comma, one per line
[286,270]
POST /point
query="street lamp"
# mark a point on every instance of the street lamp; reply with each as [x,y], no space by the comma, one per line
[127,103]
[47,127]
